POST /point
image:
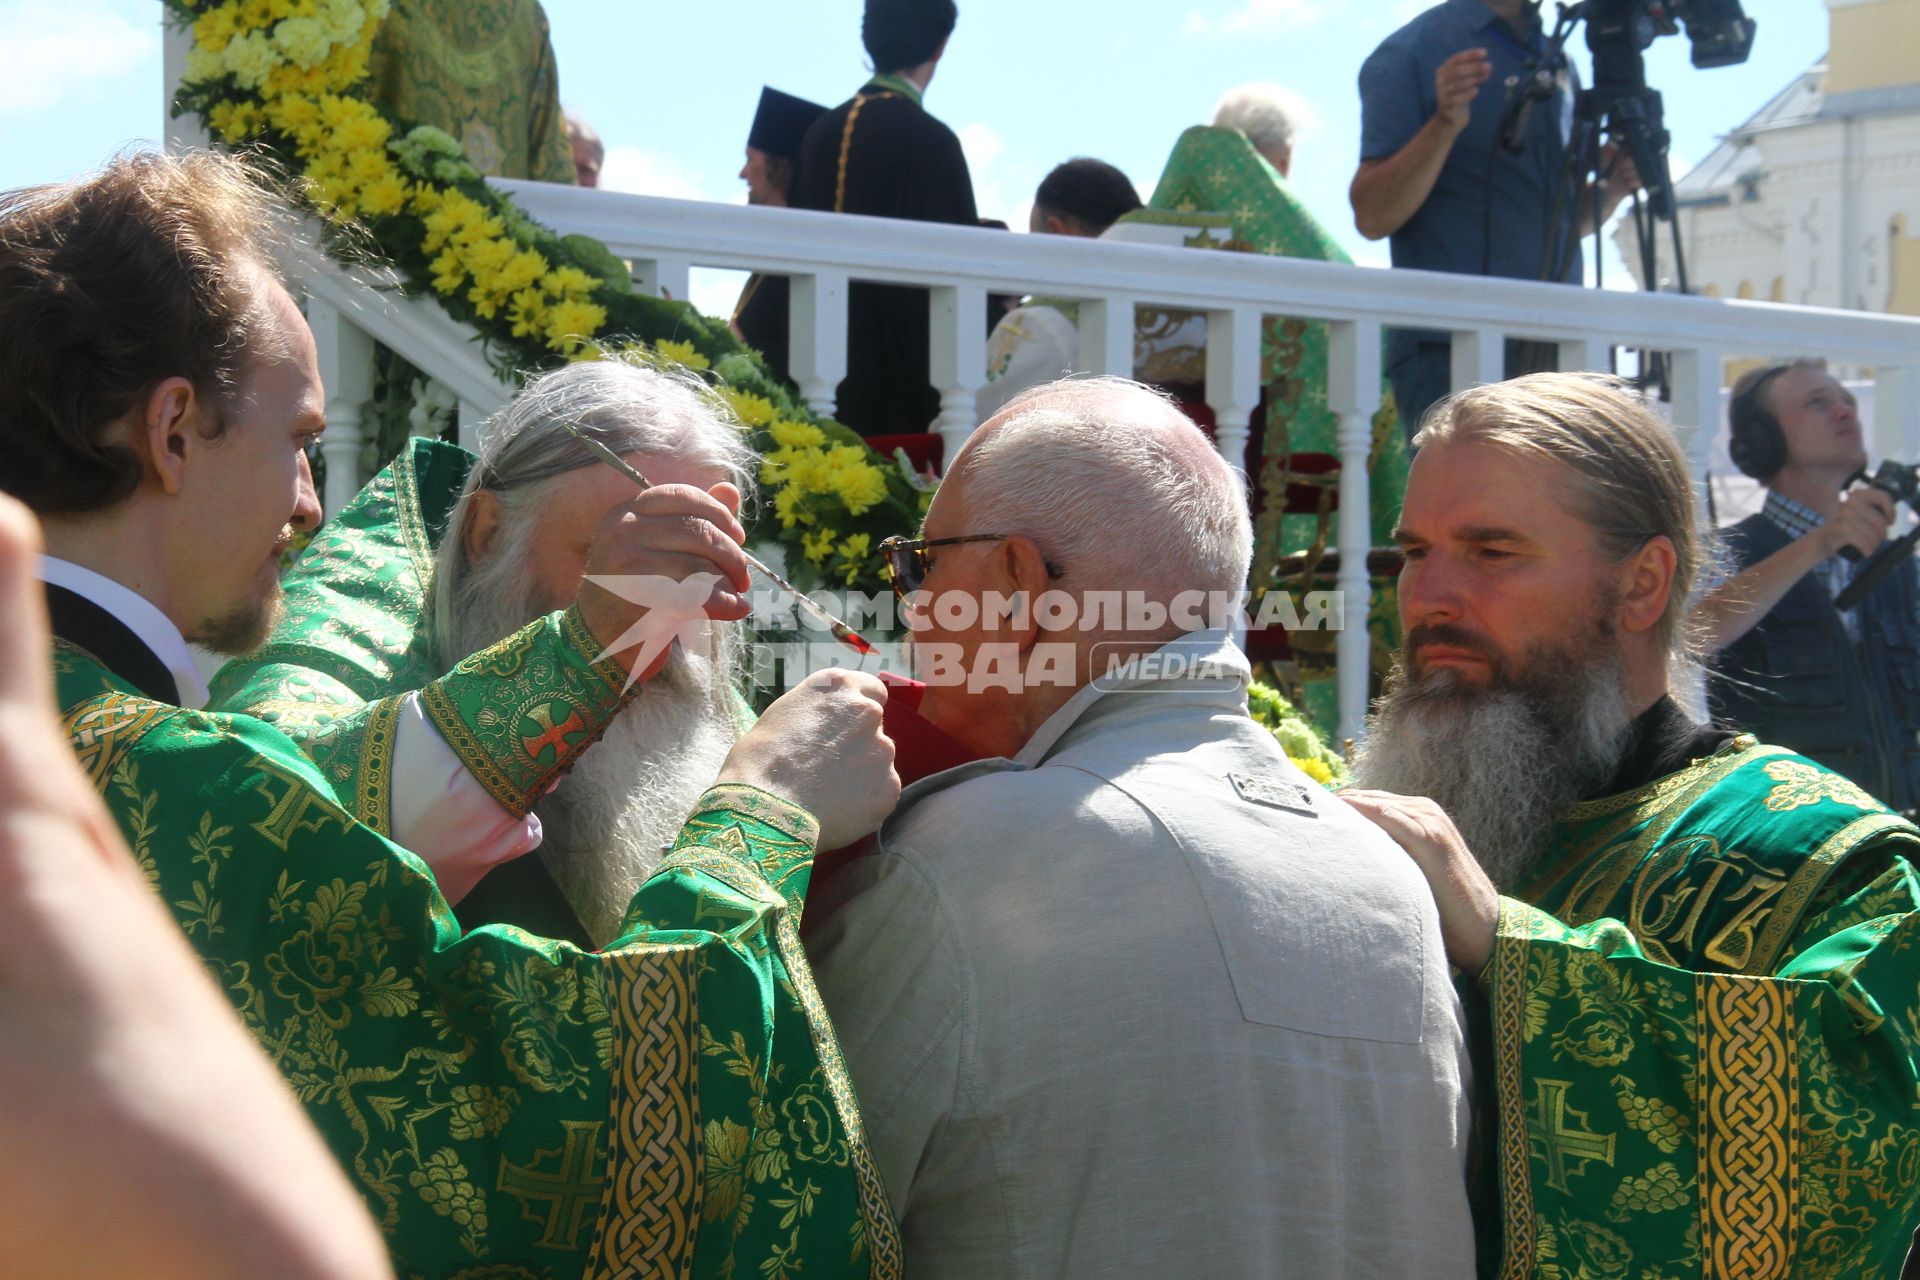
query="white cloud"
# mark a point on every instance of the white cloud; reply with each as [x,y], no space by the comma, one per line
[638,171]
[1255,17]
[56,52]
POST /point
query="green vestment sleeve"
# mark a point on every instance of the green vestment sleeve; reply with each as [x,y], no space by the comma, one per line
[1705,1034]
[356,637]
[511,1107]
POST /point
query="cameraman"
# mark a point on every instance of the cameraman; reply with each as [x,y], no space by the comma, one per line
[1434,176]
[1842,688]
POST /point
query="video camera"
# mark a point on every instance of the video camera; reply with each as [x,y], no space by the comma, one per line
[1618,31]
[1901,482]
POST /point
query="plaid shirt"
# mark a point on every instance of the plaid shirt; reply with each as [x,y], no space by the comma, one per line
[1797,520]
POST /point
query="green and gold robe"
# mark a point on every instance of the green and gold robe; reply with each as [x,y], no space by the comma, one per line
[1705,1017]
[512,1107]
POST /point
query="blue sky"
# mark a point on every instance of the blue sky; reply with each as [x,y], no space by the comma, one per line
[1026,84]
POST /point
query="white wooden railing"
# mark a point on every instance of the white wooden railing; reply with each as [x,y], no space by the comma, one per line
[824,253]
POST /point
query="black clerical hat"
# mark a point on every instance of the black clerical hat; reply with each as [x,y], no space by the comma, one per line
[781,122]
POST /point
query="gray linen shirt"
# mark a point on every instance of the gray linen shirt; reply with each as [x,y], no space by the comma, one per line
[1146,1001]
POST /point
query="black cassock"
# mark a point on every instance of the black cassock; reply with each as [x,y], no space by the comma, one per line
[880,154]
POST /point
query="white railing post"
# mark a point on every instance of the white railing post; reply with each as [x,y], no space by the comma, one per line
[1896,425]
[662,277]
[1696,411]
[346,372]
[1106,336]
[958,361]
[1588,353]
[1479,355]
[1353,392]
[1233,379]
[817,341]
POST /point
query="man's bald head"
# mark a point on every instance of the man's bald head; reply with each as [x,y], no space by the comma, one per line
[1114,484]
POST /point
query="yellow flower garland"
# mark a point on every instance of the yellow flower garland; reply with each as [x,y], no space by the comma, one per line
[292,67]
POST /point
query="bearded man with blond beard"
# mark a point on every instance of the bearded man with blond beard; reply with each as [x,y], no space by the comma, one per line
[1696,954]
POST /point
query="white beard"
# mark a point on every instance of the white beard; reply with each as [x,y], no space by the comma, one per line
[1504,763]
[613,817]
[607,822]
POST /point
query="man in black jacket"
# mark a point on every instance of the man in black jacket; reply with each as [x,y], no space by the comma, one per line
[880,153]
[1840,687]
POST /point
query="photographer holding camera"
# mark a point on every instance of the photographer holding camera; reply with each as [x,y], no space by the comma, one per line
[1435,177]
[1841,686]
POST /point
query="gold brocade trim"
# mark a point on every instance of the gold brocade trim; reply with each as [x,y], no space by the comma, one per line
[103,728]
[407,513]
[373,774]
[1749,1127]
[784,816]
[473,753]
[883,1236]
[651,1204]
[1671,795]
[1731,752]
[846,144]
[1511,944]
[579,637]
[1793,901]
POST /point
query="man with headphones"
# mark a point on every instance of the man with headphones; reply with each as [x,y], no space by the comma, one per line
[1842,688]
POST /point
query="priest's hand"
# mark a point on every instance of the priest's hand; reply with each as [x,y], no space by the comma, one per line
[1469,904]
[821,745]
[142,1132]
[677,550]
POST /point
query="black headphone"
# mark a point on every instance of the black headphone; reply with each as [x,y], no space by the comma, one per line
[1757,445]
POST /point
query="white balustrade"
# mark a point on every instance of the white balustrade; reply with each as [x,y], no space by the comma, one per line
[823,254]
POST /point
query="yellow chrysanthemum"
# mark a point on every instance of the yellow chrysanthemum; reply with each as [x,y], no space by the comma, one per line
[216,28]
[786,505]
[682,353]
[752,410]
[1314,769]
[570,282]
[818,546]
[384,196]
[448,274]
[528,313]
[571,323]
[796,435]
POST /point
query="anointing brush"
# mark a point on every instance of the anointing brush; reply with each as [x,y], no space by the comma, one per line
[841,631]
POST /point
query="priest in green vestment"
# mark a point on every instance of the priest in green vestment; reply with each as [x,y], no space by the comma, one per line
[441,556]
[509,1106]
[483,71]
[1695,956]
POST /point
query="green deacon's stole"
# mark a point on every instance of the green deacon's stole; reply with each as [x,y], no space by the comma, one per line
[1705,1030]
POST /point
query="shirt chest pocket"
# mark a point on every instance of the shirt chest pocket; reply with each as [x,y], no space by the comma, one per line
[1322,929]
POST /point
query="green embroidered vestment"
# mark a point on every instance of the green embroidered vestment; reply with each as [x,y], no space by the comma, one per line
[1705,1022]
[512,1108]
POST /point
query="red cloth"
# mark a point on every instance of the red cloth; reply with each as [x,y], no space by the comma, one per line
[920,750]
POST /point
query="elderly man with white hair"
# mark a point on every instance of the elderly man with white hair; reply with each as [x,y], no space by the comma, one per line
[1265,113]
[443,556]
[1130,995]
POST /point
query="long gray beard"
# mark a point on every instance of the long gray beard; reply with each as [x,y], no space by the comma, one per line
[612,818]
[1504,763]
[629,794]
